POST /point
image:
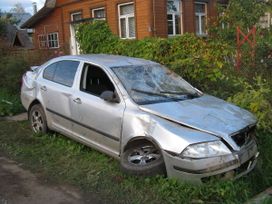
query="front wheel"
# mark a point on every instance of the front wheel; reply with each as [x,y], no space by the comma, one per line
[143,159]
[38,119]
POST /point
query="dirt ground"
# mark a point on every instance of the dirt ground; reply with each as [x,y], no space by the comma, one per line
[20,186]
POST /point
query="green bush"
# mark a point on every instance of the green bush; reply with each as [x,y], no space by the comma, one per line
[255,98]
[196,59]
[10,104]
[96,38]
[11,71]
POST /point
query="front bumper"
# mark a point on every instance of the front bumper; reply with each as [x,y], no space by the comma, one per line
[233,165]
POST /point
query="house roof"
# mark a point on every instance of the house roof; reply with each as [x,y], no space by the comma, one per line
[17,38]
[47,9]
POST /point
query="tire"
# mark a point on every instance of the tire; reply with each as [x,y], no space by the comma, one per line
[143,159]
[38,119]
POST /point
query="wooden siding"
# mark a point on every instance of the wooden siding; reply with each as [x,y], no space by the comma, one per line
[150,17]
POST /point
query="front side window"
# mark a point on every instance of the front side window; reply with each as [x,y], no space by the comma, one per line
[95,81]
[201,18]
[62,72]
[42,41]
[174,17]
[99,13]
[127,21]
[53,40]
[153,84]
[77,16]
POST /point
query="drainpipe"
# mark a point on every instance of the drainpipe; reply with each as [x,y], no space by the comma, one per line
[154,19]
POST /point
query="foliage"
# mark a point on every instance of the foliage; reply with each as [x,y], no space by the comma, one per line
[11,72]
[59,159]
[255,98]
[17,8]
[244,14]
[96,38]
[199,60]
[10,104]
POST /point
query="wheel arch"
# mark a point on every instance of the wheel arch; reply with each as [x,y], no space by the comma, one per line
[135,140]
[35,102]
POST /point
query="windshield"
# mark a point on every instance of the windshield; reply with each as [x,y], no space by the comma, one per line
[153,84]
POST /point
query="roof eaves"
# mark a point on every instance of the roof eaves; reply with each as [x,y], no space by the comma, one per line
[48,8]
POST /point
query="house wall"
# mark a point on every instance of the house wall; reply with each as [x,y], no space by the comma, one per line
[150,17]
[50,24]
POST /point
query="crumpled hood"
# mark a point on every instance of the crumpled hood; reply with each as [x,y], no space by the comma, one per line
[206,113]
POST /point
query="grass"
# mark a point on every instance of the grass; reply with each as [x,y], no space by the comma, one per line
[9,103]
[60,159]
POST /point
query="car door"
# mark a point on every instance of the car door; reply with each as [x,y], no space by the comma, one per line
[96,121]
[56,93]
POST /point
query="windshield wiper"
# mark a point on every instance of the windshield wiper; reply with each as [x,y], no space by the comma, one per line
[149,92]
[191,95]
[164,94]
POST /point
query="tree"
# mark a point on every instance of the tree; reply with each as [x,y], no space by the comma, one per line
[244,14]
[18,8]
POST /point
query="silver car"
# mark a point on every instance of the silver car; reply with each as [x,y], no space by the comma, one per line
[141,113]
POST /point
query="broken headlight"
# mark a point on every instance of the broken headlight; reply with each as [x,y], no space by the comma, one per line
[206,149]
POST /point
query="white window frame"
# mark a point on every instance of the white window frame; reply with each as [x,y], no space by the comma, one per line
[75,13]
[44,41]
[126,17]
[57,40]
[98,9]
[199,15]
[180,13]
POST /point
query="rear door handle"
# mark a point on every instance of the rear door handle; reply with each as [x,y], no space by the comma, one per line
[77,100]
[43,88]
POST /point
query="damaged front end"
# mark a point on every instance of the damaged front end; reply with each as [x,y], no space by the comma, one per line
[230,166]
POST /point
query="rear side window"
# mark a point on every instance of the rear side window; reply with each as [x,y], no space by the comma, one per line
[66,72]
[49,71]
[62,72]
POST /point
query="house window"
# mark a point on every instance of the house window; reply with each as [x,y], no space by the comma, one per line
[265,21]
[42,41]
[127,21]
[53,40]
[174,17]
[99,13]
[201,18]
[77,16]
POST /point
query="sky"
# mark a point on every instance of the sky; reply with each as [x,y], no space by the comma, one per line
[6,5]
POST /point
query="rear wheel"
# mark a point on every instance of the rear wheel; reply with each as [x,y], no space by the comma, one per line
[38,119]
[143,159]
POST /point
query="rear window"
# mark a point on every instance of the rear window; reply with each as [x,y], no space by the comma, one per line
[62,72]
[50,71]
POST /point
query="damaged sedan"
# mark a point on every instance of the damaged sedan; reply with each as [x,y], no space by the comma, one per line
[142,114]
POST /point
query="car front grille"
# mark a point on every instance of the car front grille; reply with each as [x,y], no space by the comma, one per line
[244,137]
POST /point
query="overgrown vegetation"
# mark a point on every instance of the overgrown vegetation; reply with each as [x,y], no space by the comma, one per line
[11,72]
[61,160]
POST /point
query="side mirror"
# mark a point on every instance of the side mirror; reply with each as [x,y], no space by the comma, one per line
[110,96]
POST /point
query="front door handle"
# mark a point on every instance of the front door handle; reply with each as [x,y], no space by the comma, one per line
[43,88]
[77,100]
